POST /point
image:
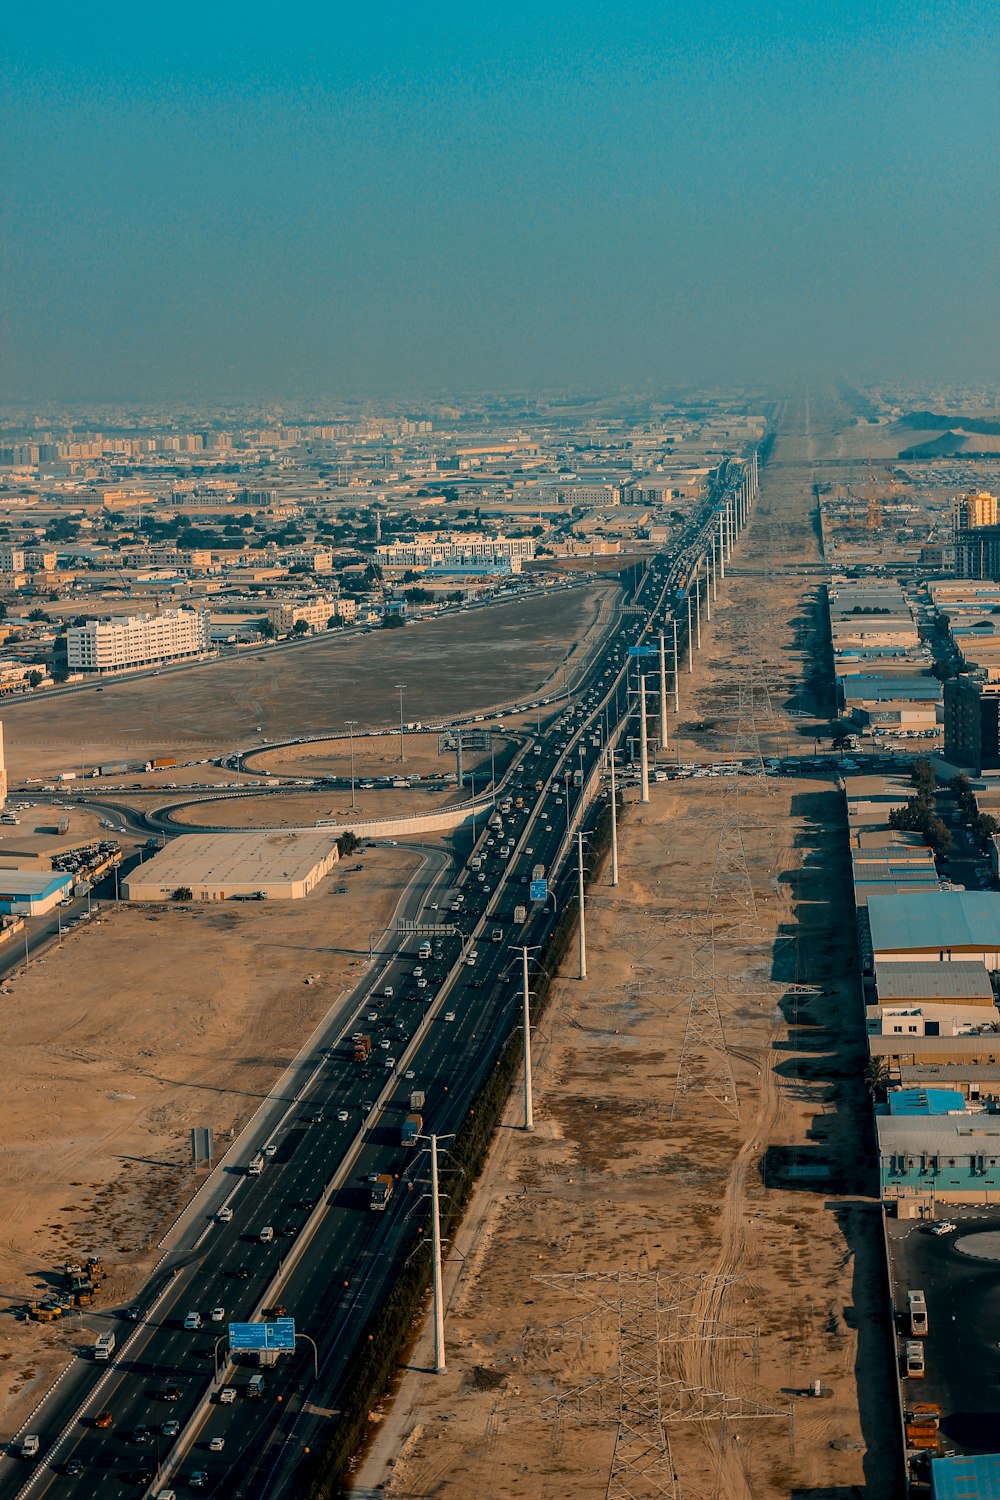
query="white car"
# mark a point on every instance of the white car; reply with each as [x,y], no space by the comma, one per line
[421,984]
[270,1150]
[385,1044]
[418,971]
[449,1015]
[945,1227]
[224,1215]
[390,1062]
[216,1444]
[342,1115]
[218,1314]
[388,992]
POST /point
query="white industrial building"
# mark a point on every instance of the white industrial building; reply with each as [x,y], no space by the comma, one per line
[276,865]
[936,927]
[137,640]
[434,550]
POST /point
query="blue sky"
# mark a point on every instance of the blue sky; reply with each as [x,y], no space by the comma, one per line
[304,199]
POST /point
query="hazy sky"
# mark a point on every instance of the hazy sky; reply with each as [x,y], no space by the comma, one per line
[299,199]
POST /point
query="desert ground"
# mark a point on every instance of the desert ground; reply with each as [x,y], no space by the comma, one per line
[700,1175]
[451,665]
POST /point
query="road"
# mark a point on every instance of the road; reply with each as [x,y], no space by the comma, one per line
[331,1260]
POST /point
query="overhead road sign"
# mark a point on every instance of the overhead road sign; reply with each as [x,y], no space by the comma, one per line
[538,890]
[278,1334]
[643,651]
[472,739]
[425,929]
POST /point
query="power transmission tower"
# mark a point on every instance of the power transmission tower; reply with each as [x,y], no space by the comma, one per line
[704,1061]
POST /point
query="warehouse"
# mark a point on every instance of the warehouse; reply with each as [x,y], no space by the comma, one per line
[275,866]
[32,893]
[938,926]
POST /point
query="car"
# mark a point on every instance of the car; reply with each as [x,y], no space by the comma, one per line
[218,1315]
[198,1479]
[239,1273]
[171,1428]
[73,1469]
[342,1115]
[342,890]
[388,992]
[421,984]
[385,1044]
[449,1015]
[227,1395]
[270,1150]
[373,1015]
[141,1434]
[172,1393]
[104,1418]
[947,1226]
[216,1444]
[192,1321]
[418,971]
[410,1073]
[133,1314]
[390,1062]
[288,1231]
[316,1118]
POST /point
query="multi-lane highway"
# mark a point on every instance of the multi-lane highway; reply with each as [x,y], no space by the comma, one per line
[301,1233]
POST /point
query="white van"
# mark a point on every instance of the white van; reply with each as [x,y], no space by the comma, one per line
[266,1234]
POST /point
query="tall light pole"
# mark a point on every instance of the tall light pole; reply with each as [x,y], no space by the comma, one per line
[400,686]
[351,726]
[708,589]
[643,752]
[677,678]
[690,635]
[439,1364]
[529,1118]
[614,820]
[664,743]
[697,613]
[579,887]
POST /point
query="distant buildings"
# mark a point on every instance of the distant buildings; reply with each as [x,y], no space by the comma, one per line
[137,640]
[440,550]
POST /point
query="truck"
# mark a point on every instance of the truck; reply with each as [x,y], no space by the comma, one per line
[162,762]
[381,1191]
[66,776]
[913,1355]
[362,1048]
[424,951]
[412,1126]
[578,777]
[520,914]
[923,1421]
[538,872]
[496,936]
[256,1165]
[105,1346]
[496,821]
[30,1445]
[417,1099]
[255,1385]
[916,1304]
[475,862]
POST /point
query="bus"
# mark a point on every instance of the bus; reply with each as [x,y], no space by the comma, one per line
[917,1307]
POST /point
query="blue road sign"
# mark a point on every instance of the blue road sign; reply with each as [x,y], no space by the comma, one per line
[277,1334]
[538,890]
[644,651]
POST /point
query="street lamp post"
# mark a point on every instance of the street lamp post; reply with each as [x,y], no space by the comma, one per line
[400,686]
[351,726]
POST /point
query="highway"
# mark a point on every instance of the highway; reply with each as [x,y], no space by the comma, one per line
[331,1259]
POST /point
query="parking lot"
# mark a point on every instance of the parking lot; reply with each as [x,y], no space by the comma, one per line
[962,1348]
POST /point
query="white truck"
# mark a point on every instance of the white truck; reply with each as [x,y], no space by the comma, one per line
[256,1165]
[105,1346]
[30,1445]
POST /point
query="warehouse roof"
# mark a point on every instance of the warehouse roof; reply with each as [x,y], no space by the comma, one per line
[942,1135]
[887,689]
[964,979]
[236,858]
[966,1477]
[926,1102]
[935,919]
[39,883]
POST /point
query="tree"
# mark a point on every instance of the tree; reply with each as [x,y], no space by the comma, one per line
[35,678]
[38,614]
[334,622]
[182,893]
[347,843]
[922,776]
[393,622]
[943,671]
[267,630]
[301,628]
[876,1076]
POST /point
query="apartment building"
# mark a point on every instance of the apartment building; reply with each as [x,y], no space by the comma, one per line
[11,560]
[441,549]
[137,640]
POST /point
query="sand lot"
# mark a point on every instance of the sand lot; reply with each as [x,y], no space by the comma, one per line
[450,666]
[121,1040]
[721,1209]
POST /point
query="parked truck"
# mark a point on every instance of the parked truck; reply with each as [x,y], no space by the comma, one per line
[520,914]
[105,1346]
[381,1191]
[412,1126]
[362,1048]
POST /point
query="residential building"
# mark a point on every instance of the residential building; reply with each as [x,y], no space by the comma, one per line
[11,560]
[463,548]
[972,722]
[137,640]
